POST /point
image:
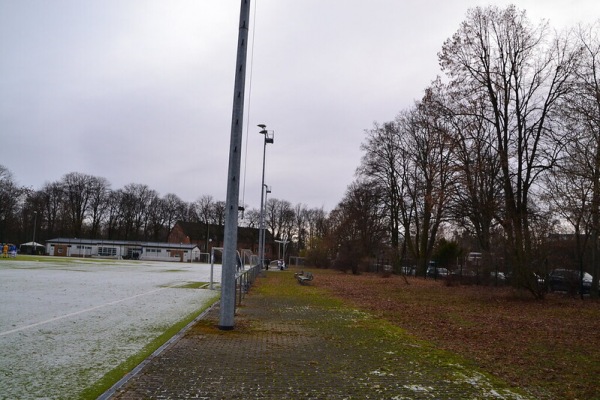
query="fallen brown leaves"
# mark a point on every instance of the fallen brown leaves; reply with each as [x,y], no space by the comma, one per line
[545,346]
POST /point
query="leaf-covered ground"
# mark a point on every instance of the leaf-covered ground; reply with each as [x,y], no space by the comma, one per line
[551,345]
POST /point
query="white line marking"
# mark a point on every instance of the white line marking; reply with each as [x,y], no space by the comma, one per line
[78,312]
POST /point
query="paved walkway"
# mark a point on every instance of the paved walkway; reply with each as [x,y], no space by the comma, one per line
[292,342]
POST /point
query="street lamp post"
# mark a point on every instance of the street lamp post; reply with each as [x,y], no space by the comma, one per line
[269,136]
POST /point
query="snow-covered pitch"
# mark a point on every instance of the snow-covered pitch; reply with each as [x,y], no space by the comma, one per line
[64,323]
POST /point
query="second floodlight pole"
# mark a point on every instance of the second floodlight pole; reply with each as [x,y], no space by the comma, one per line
[227,306]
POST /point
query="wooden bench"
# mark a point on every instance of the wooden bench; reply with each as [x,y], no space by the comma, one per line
[304,277]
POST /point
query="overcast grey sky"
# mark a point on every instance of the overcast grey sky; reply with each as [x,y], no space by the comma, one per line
[141,91]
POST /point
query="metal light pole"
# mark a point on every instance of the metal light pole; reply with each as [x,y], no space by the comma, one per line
[261,241]
[269,136]
[227,306]
[34,226]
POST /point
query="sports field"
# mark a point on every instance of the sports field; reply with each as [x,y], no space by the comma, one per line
[68,324]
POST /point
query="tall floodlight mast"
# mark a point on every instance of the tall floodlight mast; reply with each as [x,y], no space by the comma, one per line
[227,307]
[264,190]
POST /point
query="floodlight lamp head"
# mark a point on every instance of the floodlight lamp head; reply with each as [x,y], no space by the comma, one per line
[261,126]
[264,132]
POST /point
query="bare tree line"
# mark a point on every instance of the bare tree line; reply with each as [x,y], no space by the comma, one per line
[85,206]
[504,149]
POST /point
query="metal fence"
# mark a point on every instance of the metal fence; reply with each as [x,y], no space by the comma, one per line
[243,282]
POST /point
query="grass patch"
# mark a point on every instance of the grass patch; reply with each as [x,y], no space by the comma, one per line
[188,285]
[283,283]
[117,373]
[194,285]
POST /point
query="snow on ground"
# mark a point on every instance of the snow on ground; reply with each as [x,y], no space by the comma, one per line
[65,323]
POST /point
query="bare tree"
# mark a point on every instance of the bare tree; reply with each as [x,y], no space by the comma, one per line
[299,229]
[568,194]
[574,188]
[219,213]
[358,227]
[204,209]
[252,218]
[316,223]
[499,56]
[477,200]
[175,210]
[10,197]
[588,78]
[134,207]
[426,177]
[98,203]
[157,216]
[279,217]
[52,196]
[319,243]
[78,191]
[114,215]
[380,164]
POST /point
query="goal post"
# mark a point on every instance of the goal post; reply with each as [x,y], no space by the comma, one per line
[246,255]
[212,264]
[249,258]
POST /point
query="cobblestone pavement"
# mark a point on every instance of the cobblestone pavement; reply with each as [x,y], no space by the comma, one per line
[290,344]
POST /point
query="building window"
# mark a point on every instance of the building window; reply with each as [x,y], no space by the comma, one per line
[133,253]
[107,251]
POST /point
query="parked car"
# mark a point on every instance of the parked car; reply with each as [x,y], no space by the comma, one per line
[569,280]
[433,272]
[464,272]
[498,276]
[535,278]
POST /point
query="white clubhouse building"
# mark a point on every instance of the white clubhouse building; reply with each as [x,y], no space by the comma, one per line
[121,249]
